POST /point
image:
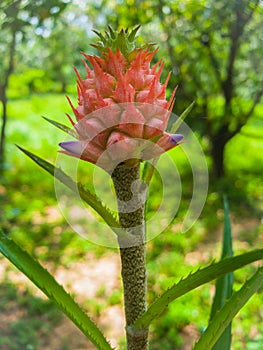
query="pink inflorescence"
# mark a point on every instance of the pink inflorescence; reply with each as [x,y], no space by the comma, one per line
[122,110]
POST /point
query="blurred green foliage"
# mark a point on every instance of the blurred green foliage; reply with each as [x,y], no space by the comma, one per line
[212,48]
[29,214]
[35,317]
[185,31]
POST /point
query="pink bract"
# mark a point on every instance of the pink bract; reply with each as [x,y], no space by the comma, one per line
[122,110]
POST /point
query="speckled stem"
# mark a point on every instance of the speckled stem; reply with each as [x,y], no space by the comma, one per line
[131,196]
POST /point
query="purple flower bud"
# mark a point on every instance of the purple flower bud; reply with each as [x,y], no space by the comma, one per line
[175,138]
[75,147]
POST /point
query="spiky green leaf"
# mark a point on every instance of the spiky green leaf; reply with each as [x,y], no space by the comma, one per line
[103,40]
[111,32]
[224,285]
[193,281]
[90,198]
[123,40]
[223,318]
[62,127]
[133,33]
[148,171]
[54,291]
[182,117]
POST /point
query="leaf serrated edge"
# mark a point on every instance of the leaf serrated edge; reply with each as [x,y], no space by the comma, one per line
[224,284]
[197,279]
[223,318]
[53,290]
[86,195]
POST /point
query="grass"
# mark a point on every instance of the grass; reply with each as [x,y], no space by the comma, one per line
[30,215]
[25,318]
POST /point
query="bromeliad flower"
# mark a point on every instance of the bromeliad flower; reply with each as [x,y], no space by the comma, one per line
[122,110]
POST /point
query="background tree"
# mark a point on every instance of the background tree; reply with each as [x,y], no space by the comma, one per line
[16,17]
[213,47]
[215,50]
[63,51]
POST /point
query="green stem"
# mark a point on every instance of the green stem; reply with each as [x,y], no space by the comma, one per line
[131,198]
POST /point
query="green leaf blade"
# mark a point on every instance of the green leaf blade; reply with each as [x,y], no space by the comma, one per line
[195,280]
[181,118]
[224,285]
[62,127]
[54,291]
[86,195]
[223,318]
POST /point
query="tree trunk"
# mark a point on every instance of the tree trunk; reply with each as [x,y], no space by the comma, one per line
[64,86]
[217,153]
[218,143]
[3,97]
[2,139]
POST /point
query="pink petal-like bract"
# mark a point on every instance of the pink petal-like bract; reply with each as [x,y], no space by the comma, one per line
[122,104]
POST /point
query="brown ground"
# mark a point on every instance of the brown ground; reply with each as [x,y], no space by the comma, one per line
[84,281]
